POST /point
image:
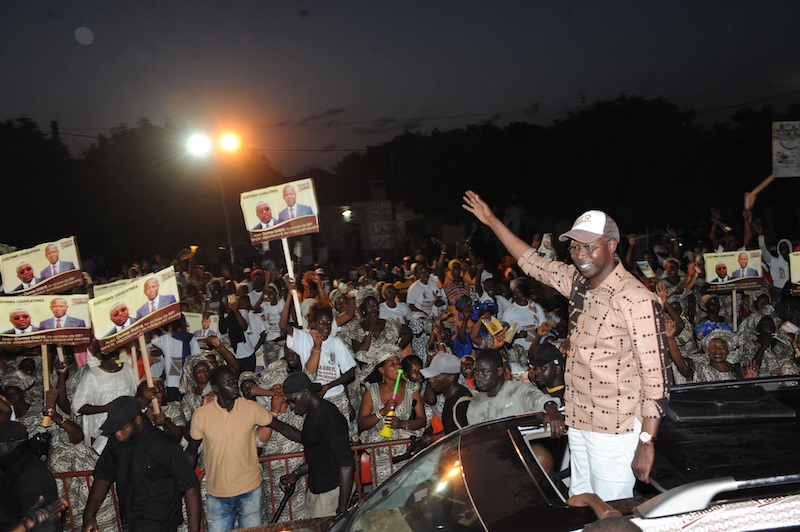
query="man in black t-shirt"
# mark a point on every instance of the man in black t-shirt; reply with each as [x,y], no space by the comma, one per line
[326,446]
[548,370]
[442,376]
[151,472]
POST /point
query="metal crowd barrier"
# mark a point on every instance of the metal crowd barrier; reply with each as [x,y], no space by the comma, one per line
[274,466]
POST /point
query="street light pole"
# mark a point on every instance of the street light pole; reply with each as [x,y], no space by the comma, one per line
[201,145]
[225,214]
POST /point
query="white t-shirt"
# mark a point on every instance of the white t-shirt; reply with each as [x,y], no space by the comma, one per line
[400,313]
[173,357]
[502,303]
[334,358]
[528,317]
[254,297]
[422,297]
[255,326]
[271,315]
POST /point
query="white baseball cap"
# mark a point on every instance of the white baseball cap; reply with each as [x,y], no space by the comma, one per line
[590,226]
[442,363]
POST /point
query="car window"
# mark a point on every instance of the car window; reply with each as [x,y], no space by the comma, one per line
[428,493]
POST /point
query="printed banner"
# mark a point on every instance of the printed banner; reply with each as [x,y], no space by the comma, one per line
[104,289]
[40,320]
[48,268]
[142,305]
[202,326]
[794,272]
[282,211]
[786,149]
[733,270]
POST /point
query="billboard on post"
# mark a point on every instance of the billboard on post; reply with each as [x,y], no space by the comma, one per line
[282,211]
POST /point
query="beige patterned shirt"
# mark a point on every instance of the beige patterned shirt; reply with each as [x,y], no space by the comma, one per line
[616,366]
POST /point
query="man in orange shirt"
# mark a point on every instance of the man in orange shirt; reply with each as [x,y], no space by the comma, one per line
[231,459]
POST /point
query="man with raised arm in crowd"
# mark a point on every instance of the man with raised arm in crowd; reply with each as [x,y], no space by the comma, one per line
[616,379]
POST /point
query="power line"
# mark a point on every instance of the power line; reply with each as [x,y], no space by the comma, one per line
[751,102]
[531,110]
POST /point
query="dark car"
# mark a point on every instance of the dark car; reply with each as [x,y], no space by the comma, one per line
[727,459]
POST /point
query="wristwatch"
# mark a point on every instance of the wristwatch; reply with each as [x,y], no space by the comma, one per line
[646,438]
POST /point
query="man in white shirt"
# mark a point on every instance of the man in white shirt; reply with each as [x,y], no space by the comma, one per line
[391,309]
[425,298]
[253,336]
[527,314]
[173,348]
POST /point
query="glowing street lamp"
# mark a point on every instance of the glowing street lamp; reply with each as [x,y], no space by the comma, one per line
[229,142]
[200,145]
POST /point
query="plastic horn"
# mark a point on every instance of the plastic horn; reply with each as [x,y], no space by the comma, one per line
[386,431]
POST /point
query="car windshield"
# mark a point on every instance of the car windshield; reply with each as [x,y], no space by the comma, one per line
[427,494]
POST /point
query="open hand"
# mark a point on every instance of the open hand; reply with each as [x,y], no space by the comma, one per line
[474,204]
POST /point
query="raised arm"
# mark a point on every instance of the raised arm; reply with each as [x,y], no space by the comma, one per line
[684,368]
[216,344]
[629,254]
[514,244]
[287,307]
[439,266]
[349,312]
[747,233]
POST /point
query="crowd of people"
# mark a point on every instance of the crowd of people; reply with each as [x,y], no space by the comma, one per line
[417,349]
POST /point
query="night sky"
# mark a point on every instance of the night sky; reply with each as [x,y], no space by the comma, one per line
[297,78]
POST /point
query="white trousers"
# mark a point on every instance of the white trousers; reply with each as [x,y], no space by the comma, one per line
[601,463]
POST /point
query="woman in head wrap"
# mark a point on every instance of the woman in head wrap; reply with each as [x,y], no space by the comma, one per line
[194,383]
[454,284]
[721,362]
[760,305]
[710,304]
[766,348]
[368,334]
[409,412]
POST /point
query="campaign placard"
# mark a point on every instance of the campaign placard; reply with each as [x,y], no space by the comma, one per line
[733,270]
[202,326]
[281,211]
[147,303]
[36,320]
[786,149]
[794,272]
[48,268]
